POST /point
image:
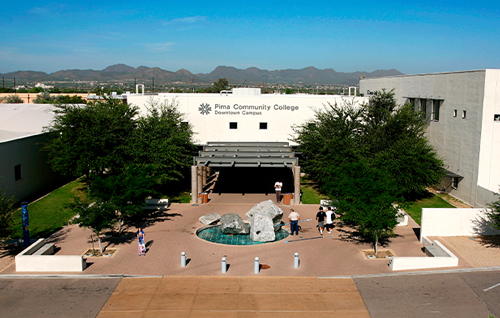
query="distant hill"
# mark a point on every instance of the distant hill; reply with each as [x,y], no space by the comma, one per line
[251,75]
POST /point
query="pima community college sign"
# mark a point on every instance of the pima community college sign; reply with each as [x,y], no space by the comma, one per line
[237,109]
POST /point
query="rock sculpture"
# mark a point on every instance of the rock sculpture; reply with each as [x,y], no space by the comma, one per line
[232,223]
[264,217]
[209,219]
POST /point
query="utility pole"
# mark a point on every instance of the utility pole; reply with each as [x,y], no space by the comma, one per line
[153,84]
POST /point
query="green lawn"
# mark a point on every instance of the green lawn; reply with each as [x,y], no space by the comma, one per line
[310,195]
[414,209]
[184,197]
[49,213]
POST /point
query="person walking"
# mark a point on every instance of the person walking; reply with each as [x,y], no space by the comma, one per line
[320,217]
[140,236]
[277,187]
[330,217]
[293,219]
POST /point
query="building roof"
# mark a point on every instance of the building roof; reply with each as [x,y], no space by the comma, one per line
[22,120]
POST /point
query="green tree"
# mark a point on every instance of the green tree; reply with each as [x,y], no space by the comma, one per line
[163,142]
[377,149]
[35,90]
[97,216]
[494,214]
[91,139]
[125,192]
[394,137]
[11,99]
[220,85]
[366,198]
[6,215]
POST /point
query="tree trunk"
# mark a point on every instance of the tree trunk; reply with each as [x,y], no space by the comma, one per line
[100,244]
[375,245]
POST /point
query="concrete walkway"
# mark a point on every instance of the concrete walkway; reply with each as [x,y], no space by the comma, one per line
[201,290]
[174,231]
[234,297]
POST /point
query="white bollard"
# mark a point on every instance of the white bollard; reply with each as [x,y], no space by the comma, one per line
[224,265]
[296,261]
[256,265]
[183,259]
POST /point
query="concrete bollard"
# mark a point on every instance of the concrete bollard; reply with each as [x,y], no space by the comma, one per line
[296,261]
[183,259]
[256,265]
[224,265]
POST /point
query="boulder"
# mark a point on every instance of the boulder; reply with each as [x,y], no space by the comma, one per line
[209,219]
[232,223]
[268,209]
[262,229]
[264,216]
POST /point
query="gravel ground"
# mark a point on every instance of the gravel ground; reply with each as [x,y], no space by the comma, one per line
[479,251]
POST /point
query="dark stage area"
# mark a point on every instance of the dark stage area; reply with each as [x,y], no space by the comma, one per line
[253,180]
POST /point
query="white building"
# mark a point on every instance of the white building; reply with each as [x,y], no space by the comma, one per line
[246,135]
[24,170]
[463,114]
[244,114]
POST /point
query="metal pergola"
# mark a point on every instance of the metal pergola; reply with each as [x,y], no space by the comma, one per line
[229,154]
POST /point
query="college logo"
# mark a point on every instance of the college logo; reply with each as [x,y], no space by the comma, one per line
[205,109]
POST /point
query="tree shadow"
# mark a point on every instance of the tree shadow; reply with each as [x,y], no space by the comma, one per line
[352,235]
[151,218]
[11,249]
[489,241]
[58,236]
[483,225]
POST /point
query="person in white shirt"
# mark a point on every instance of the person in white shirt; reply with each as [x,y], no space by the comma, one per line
[330,217]
[277,187]
[293,219]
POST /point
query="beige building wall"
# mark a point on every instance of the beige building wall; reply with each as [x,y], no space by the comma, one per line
[211,114]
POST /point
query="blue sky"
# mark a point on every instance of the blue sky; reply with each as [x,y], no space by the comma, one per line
[410,36]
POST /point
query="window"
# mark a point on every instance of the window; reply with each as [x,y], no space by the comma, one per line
[455,113]
[263,126]
[464,114]
[17,172]
[435,109]
[233,125]
[423,106]
[454,184]
[497,117]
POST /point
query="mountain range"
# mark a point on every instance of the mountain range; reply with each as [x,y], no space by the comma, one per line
[251,75]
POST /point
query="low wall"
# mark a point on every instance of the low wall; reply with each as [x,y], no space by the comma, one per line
[455,222]
[26,262]
[412,263]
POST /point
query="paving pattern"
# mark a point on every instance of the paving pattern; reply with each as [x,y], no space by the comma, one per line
[234,297]
[174,231]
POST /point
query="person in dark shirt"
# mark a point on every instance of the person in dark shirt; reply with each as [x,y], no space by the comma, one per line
[320,217]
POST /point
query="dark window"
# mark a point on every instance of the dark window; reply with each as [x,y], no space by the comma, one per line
[17,172]
[455,183]
[497,117]
[423,104]
[435,109]
[233,125]
[262,125]
[464,114]
[455,113]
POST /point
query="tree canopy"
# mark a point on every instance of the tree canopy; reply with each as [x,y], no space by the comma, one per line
[6,215]
[126,157]
[368,157]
